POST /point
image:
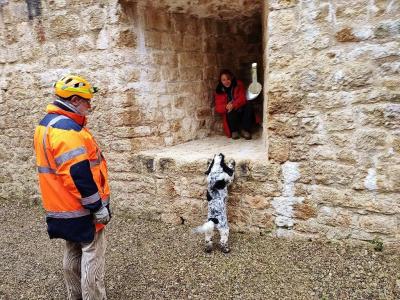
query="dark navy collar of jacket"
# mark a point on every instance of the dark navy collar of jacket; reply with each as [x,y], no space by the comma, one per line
[59,108]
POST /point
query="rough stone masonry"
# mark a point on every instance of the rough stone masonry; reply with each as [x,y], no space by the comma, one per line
[331,113]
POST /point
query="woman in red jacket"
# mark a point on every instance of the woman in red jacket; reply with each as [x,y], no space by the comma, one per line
[230,101]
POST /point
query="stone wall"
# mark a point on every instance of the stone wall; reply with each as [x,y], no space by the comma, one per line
[334,111]
[156,71]
[331,120]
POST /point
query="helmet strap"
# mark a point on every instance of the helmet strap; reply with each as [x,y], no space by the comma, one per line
[69,105]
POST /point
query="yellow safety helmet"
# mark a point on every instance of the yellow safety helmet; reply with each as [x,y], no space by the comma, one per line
[71,85]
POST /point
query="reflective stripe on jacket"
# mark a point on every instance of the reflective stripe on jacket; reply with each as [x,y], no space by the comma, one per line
[72,174]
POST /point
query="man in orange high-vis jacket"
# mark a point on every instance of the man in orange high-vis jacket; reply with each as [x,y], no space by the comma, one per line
[74,185]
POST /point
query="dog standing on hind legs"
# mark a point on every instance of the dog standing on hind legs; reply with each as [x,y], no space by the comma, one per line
[219,176]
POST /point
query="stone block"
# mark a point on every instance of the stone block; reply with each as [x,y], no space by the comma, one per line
[379,224]
[306,172]
[96,18]
[150,75]
[369,139]
[388,178]
[187,60]
[121,146]
[256,202]
[79,2]
[347,156]
[280,60]
[170,74]
[346,35]
[167,165]
[325,152]
[192,43]
[280,22]
[241,217]
[299,150]
[265,172]
[157,20]
[369,202]
[332,173]
[64,26]
[148,142]
[284,102]
[210,60]
[336,217]
[153,39]
[126,38]
[342,140]
[83,43]
[166,189]
[127,118]
[282,4]
[278,149]
[270,189]
[210,46]
[396,144]
[165,59]
[284,125]
[304,211]
[140,164]
[203,113]
[190,73]
[141,186]
[387,28]
[14,12]
[384,116]
[263,220]
[283,209]
[192,211]
[346,118]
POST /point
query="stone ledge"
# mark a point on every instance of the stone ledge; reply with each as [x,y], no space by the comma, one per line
[200,150]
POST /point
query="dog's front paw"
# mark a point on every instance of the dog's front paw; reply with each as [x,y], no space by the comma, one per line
[231,164]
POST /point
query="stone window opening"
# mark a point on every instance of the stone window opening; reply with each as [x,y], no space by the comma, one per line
[181,49]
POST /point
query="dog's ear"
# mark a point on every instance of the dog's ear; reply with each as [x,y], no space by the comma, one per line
[226,169]
[210,165]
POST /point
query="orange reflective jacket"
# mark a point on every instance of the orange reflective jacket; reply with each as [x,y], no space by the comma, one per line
[72,174]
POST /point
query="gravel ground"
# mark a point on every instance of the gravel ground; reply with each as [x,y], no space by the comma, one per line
[150,260]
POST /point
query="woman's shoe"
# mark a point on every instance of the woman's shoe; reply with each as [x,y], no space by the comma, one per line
[246,135]
[235,135]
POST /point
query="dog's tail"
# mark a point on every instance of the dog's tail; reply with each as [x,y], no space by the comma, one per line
[207,226]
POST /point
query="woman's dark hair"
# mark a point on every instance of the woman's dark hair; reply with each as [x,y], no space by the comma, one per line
[220,87]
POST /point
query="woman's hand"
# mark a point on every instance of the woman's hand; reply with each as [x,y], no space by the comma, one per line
[229,106]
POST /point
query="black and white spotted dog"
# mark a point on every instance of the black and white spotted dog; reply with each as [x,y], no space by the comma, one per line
[219,176]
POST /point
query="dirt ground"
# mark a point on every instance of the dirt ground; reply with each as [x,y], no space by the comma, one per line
[150,260]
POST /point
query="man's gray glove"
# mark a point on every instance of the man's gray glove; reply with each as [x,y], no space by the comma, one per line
[102,216]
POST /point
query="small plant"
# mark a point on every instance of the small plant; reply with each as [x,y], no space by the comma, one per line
[378,244]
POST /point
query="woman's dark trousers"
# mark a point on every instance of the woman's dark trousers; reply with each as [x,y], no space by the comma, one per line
[241,119]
